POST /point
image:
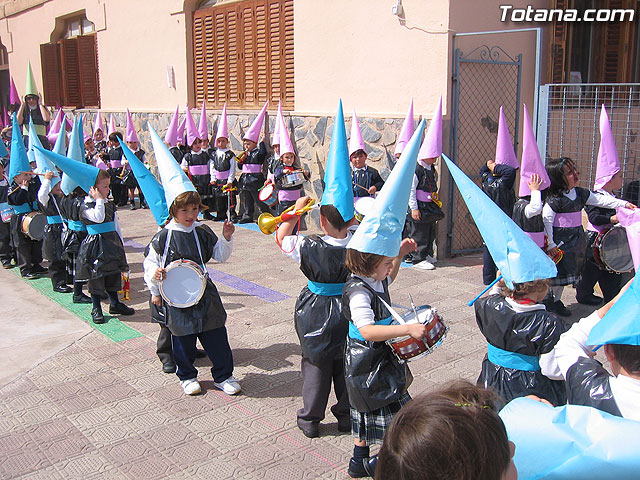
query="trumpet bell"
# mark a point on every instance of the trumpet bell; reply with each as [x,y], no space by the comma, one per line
[267,223]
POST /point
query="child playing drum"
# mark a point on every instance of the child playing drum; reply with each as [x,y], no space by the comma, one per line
[183,238]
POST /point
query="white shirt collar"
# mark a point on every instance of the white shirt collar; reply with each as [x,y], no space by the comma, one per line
[178,227]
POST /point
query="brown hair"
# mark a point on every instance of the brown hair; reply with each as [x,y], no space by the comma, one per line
[113,136]
[628,356]
[333,216]
[362,264]
[184,199]
[451,434]
[523,290]
[102,175]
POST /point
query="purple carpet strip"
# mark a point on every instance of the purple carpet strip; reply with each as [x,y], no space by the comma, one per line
[229,280]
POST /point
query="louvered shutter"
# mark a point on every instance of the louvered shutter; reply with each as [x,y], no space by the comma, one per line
[88,70]
[199,76]
[71,88]
[50,62]
[558,45]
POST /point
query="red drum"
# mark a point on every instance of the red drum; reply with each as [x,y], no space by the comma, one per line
[408,348]
[268,194]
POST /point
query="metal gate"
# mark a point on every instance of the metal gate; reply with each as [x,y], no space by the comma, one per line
[483,80]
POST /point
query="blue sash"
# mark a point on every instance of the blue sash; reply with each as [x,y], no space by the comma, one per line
[76,226]
[53,219]
[24,208]
[513,360]
[354,332]
[97,228]
[325,289]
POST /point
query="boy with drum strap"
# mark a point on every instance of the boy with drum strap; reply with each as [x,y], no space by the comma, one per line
[319,322]
[608,180]
[424,205]
[183,238]
[23,197]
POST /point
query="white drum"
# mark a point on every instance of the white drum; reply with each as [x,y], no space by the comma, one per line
[363,206]
[184,284]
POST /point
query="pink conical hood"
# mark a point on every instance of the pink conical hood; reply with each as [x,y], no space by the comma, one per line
[54,129]
[531,160]
[99,124]
[608,163]
[407,130]
[253,133]
[112,125]
[203,131]
[275,140]
[223,126]
[182,138]
[171,137]
[505,155]
[13,94]
[432,144]
[355,141]
[285,140]
[130,135]
[192,130]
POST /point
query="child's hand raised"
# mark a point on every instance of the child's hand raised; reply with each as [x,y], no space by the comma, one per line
[49,175]
[95,193]
[302,202]
[227,230]
[534,182]
[407,246]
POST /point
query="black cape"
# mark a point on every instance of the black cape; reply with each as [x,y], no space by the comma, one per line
[588,384]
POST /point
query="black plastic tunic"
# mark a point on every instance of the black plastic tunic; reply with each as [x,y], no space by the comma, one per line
[253,181]
[320,324]
[100,254]
[208,313]
[71,239]
[588,384]
[201,182]
[374,375]
[52,240]
[529,333]
[498,185]
[222,165]
[531,225]
[574,243]
[369,177]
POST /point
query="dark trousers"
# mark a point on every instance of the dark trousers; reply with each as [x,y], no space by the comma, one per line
[249,198]
[29,254]
[119,193]
[316,386]
[164,349]
[489,268]
[215,343]
[6,251]
[610,283]
[108,283]
[424,234]
[58,272]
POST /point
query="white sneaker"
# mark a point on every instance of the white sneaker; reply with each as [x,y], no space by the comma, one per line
[191,386]
[425,265]
[230,386]
[430,259]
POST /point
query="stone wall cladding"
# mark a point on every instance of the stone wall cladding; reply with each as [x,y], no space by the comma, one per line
[311,137]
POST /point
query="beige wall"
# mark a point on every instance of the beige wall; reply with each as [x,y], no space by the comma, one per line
[360,52]
[133,55]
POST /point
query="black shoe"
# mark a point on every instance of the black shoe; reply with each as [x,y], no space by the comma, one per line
[207,216]
[144,206]
[62,288]
[40,269]
[169,367]
[31,275]
[121,308]
[590,299]
[200,353]
[132,207]
[219,219]
[97,317]
[310,430]
[365,467]
[245,220]
[82,298]
[7,265]
[561,309]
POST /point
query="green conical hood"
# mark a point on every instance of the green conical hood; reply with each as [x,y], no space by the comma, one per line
[30,89]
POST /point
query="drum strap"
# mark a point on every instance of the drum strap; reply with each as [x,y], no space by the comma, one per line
[354,332]
[325,289]
[166,251]
[514,360]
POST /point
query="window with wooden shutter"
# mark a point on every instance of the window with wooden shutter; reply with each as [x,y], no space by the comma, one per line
[70,72]
[243,54]
[558,46]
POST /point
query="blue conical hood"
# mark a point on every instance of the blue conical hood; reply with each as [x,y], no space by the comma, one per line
[3,150]
[337,175]
[60,147]
[43,163]
[18,162]
[153,191]
[34,141]
[517,257]
[75,152]
[174,180]
[82,174]
[381,230]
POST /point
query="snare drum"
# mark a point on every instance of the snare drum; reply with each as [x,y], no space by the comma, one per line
[407,347]
[293,179]
[611,250]
[184,284]
[5,212]
[268,194]
[33,225]
[363,206]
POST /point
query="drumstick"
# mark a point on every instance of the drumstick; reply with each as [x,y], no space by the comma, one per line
[360,186]
[485,290]
[413,306]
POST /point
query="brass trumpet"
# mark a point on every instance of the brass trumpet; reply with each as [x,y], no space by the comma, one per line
[242,156]
[267,223]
